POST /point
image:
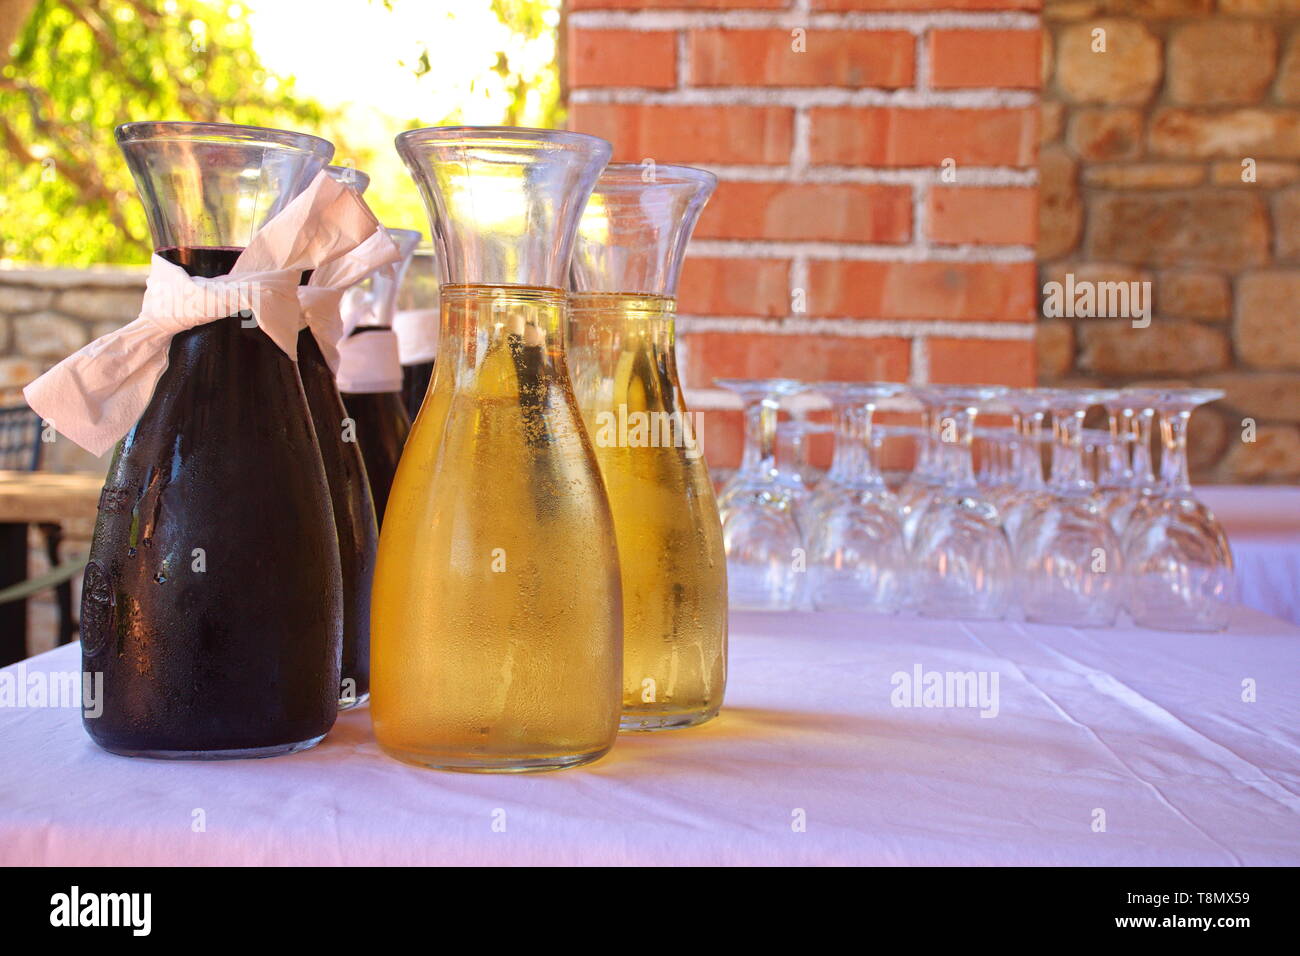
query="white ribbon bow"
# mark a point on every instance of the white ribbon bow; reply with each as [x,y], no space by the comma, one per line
[322,296]
[98,393]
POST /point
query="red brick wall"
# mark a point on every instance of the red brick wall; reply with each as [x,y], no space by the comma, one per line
[839,245]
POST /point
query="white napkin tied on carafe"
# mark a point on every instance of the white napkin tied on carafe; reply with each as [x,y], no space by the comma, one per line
[323,295]
[417,335]
[97,394]
[368,362]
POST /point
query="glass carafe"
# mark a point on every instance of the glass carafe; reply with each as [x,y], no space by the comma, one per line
[498,614]
[622,354]
[354,507]
[370,370]
[211,601]
[355,513]
[416,322]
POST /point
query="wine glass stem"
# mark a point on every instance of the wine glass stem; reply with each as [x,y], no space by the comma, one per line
[843,466]
[1068,473]
[1118,472]
[758,460]
[1173,462]
[1031,469]
[1012,451]
[926,463]
[767,420]
[871,476]
[1143,471]
[956,429]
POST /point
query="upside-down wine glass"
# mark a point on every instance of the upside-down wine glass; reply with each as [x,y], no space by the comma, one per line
[961,559]
[857,558]
[759,529]
[1180,567]
[1068,558]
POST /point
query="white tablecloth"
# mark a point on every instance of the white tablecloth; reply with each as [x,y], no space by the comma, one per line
[1147,728]
[1263,526]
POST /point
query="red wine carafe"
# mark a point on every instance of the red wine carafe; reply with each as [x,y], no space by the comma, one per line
[211,602]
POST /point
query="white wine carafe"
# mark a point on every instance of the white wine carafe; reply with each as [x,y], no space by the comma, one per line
[622,310]
[497,622]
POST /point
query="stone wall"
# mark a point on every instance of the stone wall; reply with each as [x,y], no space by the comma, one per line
[1172,156]
[45,315]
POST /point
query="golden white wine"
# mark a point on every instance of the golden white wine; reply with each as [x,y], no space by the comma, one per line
[497,618]
[674,569]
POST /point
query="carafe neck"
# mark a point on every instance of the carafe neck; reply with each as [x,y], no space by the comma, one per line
[502,338]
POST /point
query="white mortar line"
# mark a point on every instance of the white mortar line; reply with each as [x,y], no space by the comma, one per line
[801,148]
[812,96]
[683,66]
[706,399]
[798,279]
[920,228]
[922,66]
[856,251]
[918,368]
[859,328]
[712,400]
[874,175]
[799,17]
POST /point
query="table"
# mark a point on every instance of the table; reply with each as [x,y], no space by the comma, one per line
[35,497]
[1147,728]
[39,496]
[1263,525]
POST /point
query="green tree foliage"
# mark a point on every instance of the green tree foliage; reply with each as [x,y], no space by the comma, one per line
[535,95]
[531,94]
[81,67]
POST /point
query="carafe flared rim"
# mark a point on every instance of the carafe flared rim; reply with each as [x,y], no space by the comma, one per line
[477,135]
[349,176]
[616,175]
[232,133]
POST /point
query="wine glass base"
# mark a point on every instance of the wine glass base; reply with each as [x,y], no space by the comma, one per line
[963,614]
[1065,620]
[471,763]
[647,721]
[1198,625]
[737,602]
[847,606]
[251,753]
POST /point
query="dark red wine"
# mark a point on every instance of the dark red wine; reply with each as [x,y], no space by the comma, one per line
[354,511]
[415,385]
[212,601]
[382,425]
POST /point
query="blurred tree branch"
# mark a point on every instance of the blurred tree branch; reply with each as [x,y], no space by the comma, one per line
[13,14]
[81,67]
